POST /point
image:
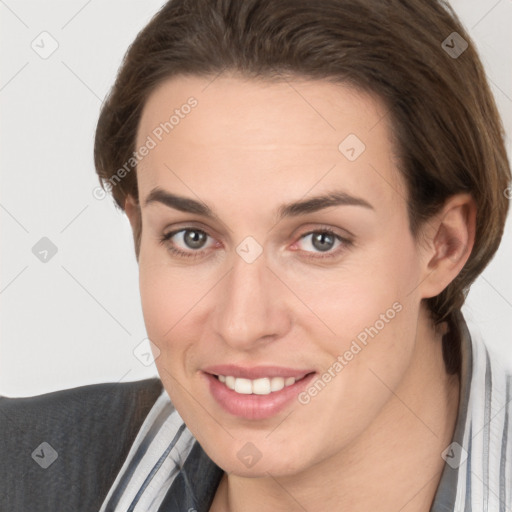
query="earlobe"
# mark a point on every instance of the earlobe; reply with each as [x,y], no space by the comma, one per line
[452,235]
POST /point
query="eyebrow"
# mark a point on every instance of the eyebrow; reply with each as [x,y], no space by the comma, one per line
[294,209]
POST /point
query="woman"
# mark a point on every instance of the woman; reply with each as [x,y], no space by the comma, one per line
[312,188]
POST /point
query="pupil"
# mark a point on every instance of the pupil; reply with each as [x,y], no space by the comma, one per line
[194,239]
[323,241]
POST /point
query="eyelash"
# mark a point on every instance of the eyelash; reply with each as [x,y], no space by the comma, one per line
[346,243]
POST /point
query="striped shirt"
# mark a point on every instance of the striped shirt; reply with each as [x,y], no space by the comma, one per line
[166,469]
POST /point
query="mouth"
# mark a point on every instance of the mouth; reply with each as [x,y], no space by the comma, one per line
[261,386]
[267,393]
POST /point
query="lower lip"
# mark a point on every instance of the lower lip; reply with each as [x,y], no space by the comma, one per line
[255,407]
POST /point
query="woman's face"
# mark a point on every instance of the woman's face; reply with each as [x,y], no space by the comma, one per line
[245,274]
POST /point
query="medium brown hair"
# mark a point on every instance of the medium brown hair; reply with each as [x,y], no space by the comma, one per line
[447,129]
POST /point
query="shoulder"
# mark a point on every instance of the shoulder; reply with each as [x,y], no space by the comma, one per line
[62,450]
[91,401]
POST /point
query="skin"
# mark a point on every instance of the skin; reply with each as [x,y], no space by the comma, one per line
[373,438]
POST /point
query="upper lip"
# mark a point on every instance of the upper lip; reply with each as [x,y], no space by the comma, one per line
[255,372]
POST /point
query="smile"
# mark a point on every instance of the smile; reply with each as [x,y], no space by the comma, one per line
[263,386]
[255,393]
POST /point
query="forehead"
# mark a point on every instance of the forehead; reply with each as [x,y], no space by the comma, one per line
[290,133]
[325,109]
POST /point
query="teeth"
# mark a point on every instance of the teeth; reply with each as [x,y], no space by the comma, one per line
[243,386]
[230,382]
[263,386]
[276,384]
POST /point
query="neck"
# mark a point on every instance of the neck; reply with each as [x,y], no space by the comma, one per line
[393,465]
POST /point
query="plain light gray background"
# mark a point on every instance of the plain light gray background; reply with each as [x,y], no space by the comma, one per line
[76,318]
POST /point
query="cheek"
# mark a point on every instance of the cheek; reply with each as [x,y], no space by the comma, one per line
[376,322]
[166,292]
[164,301]
[342,302]
[156,300]
[172,300]
[365,318]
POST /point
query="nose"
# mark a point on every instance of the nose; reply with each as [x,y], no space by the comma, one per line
[251,306]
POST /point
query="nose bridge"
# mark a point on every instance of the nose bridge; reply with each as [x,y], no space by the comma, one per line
[247,310]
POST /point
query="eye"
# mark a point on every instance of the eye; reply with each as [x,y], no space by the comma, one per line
[323,243]
[186,242]
[193,243]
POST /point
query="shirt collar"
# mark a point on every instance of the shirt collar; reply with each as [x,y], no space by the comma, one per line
[195,486]
[446,494]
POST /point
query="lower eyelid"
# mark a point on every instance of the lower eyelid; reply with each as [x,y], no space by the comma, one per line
[184,254]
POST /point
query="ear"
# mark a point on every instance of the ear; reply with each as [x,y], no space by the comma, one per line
[449,237]
[132,210]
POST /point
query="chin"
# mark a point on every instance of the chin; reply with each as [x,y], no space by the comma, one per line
[275,463]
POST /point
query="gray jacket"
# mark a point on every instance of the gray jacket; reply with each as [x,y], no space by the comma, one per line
[61,451]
